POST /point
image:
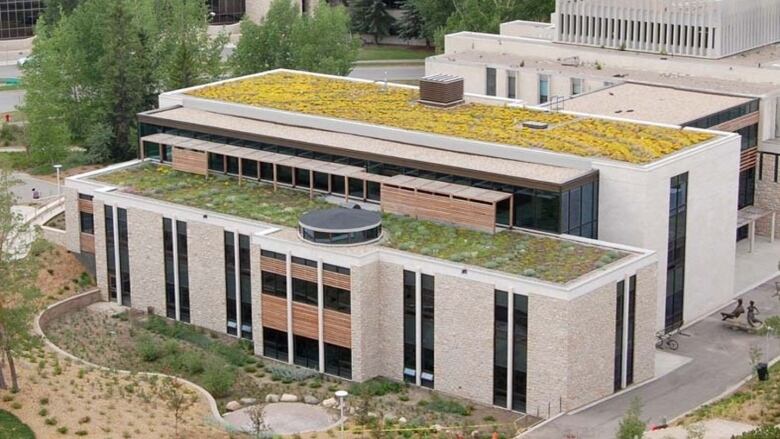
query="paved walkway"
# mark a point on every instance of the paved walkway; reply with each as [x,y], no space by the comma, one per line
[285,418]
[713,429]
[719,360]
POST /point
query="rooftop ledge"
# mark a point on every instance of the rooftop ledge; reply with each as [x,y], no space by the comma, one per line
[395,106]
[522,253]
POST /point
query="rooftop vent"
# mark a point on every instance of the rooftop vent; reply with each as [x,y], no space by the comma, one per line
[441,90]
[571,61]
[535,125]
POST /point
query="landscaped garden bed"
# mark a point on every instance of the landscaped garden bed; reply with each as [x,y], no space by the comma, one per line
[57,221]
[526,254]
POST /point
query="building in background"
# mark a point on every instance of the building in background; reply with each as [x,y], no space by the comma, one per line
[18,18]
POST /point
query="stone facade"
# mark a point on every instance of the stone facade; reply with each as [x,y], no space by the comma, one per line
[463,338]
[547,354]
[644,329]
[206,262]
[391,283]
[767,193]
[72,221]
[147,265]
[366,336]
[101,269]
[257,288]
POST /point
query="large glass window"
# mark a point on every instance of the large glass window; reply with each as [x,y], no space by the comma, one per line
[579,210]
[631,330]
[675,265]
[544,88]
[226,11]
[284,174]
[274,284]
[216,162]
[152,150]
[500,347]
[747,188]
[249,168]
[87,223]
[275,344]
[511,84]
[170,282]
[184,276]
[490,81]
[245,281]
[304,291]
[410,327]
[577,86]
[18,18]
[306,352]
[110,251]
[427,329]
[124,256]
[749,136]
[338,361]
[617,380]
[520,351]
[336,299]
[230,283]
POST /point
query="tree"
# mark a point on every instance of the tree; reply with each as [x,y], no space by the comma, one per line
[18,272]
[632,426]
[371,17]
[178,400]
[255,414]
[323,42]
[55,9]
[267,45]
[434,14]
[765,432]
[412,25]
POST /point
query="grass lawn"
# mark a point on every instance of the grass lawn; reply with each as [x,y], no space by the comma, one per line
[381,53]
[525,254]
[12,427]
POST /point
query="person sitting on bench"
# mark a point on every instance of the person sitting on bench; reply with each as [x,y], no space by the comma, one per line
[738,311]
[751,315]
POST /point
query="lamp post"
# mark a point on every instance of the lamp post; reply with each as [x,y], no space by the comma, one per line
[342,395]
[58,167]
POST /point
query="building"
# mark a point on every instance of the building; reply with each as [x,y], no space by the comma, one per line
[490,213]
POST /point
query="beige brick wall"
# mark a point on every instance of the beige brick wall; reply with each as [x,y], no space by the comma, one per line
[257,288]
[147,266]
[366,337]
[206,261]
[463,338]
[767,194]
[391,284]
[591,342]
[256,9]
[644,329]
[547,353]
[100,248]
[72,223]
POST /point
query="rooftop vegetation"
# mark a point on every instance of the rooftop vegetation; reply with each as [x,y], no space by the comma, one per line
[397,107]
[525,254]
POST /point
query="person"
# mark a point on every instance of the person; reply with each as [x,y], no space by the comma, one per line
[738,311]
[751,315]
[36,194]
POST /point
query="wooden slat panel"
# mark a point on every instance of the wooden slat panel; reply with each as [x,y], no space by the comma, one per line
[337,280]
[274,314]
[738,123]
[303,272]
[87,242]
[479,216]
[195,162]
[272,265]
[305,321]
[748,158]
[85,206]
[337,328]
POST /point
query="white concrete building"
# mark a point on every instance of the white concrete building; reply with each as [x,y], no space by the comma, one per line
[703,28]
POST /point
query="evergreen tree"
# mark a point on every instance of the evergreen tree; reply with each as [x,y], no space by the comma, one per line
[371,17]
[632,426]
[434,14]
[412,25]
[55,9]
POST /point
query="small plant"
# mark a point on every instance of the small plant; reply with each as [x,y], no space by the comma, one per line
[43,412]
[81,433]
[632,426]
[16,405]
[50,421]
[7,398]
[62,430]
[44,401]
[84,420]
[442,405]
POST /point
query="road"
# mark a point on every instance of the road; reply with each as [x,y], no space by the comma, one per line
[10,99]
[401,72]
[720,360]
[25,185]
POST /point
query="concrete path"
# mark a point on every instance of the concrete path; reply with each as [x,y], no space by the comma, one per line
[26,183]
[720,360]
[391,72]
[713,429]
[285,418]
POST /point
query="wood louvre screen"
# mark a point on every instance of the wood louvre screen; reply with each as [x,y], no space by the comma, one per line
[748,158]
[274,312]
[85,206]
[87,242]
[305,322]
[187,160]
[337,280]
[272,265]
[337,328]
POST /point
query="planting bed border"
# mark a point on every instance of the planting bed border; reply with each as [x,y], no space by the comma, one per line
[85,299]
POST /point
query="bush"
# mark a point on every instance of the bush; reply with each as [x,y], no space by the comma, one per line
[218,380]
[441,405]
[148,349]
[765,432]
[188,362]
[632,426]
[377,387]
[288,374]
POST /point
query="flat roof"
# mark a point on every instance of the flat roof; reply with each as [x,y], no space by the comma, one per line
[652,103]
[340,219]
[395,106]
[354,143]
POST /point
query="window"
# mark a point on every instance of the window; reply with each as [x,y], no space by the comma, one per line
[631,330]
[577,86]
[306,352]
[538,209]
[511,84]
[245,286]
[579,210]
[335,269]
[216,162]
[747,188]
[166,153]
[617,380]
[110,251]
[18,18]
[675,267]
[500,347]
[184,279]
[230,283]
[356,188]
[170,282]
[284,174]
[410,327]
[273,255]
[232,165]
[249,168]
[336,299]
[152,150]
[427,329]
[338,361]
[749,136]
[302,261]
[274,284]
[544,88]
[337,184]
[520,358]
[275,344]
[87,223]
[226,11]
[321,181]
[490,81]
[304,291]
[373,191]
[124,256]
[302,178]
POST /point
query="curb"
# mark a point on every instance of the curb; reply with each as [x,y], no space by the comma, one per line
[389,62]
[37,327]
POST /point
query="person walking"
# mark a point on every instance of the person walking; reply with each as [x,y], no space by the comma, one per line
[752,311]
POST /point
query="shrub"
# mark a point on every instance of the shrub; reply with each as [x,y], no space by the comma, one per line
[765,432]
[50,421]
[217,380]
[288,374]
[632,426]
[147,349]
[16,405]
[62,430]
[442,405]
[43,412]
[43,401]
[84,420]
[81,433]
[377,387]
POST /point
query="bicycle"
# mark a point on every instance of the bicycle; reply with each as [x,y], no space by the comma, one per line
[665,339]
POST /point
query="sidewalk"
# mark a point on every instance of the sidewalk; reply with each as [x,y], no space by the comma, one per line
[720,360]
